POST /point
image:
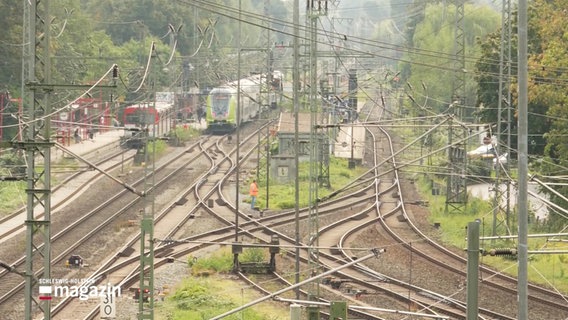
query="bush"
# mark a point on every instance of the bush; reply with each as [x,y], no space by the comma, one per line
[253,255]
[219,262]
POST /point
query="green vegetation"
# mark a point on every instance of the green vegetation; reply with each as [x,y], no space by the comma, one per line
[543,269]
[218,262]
[202,297]
[282,196]
[185,134]
[255,254]
[12,196]
[157,146]
[435,32]
[221,261]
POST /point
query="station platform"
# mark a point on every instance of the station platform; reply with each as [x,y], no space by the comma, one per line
[86,146]
[350,143]
[101,140]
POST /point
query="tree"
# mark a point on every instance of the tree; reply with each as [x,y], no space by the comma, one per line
[433,53]
[548,56]
[11,45]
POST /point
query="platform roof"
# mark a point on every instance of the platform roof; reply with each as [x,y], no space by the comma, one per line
[286,124]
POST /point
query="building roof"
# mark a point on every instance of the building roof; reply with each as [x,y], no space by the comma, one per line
[286,124]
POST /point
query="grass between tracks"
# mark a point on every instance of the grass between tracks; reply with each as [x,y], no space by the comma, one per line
[208,291]
[549,270]
[282,196]
[12,196]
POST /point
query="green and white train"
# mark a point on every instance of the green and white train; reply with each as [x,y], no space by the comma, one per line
[221,114]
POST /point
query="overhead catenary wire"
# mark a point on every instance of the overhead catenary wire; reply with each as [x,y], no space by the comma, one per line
[147,69]
[68,105]
[255,20]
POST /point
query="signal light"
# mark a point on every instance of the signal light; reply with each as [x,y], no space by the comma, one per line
[115,72]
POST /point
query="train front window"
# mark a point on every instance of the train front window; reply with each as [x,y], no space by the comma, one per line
[140,117]
[220,104]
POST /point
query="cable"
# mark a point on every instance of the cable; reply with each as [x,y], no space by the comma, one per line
[229,12]
[68,105]
[152,48]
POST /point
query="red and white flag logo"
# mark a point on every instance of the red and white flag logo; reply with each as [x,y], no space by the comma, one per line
[44,292]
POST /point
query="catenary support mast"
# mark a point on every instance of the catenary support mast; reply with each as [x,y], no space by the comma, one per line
[456,191]
[315,9]
[37,145]
[502,202]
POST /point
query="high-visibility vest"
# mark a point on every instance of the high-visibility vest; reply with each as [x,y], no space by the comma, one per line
[253,189]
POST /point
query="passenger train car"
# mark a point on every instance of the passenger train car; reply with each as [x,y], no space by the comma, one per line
[156,118]
[221,113]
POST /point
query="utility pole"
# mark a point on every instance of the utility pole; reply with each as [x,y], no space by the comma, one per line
[472,270]
[146,308]
[522,285]
[37,145]
[315,9]
[36,142]
[456,189]
[236,248]
[296,101]
[263,143]
[502,202]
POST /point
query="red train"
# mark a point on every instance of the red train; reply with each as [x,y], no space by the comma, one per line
[157,118]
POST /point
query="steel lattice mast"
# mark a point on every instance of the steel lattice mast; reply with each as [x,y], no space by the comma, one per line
[456,190]
[502,203]
[146,309]
[36,142]
[315,9]
[263,149]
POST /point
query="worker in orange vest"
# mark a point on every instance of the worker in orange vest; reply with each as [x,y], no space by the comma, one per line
[253,193]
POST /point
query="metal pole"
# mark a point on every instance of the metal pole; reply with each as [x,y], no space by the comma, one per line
[352,160]
[295,84]
[267,165]
[523,160]
[37,146]
[472,270]
[236,255]
[258,152]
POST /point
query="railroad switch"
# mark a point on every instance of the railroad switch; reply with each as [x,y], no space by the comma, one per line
[256,267]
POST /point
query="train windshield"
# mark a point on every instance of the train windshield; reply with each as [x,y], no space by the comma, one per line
[219,104]
[140,117]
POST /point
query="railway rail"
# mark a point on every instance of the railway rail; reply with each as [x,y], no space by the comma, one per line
[378,203]
[84,233]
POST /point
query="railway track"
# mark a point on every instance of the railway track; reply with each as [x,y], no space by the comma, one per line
[378,202]
[391,205]
[285,218]
[72,184]
[406,233]
[122,269]
[96,228]
[396,220]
